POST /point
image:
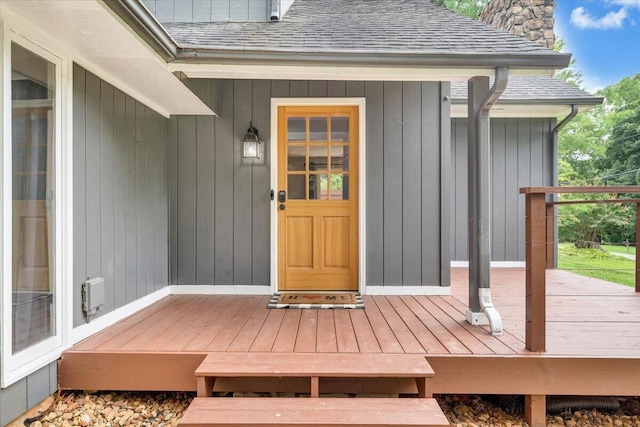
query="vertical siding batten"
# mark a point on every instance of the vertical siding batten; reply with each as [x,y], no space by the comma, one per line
[92,176]
[119,199]
[223,268]
[444,111]
[412,183]
[431,178]
[261,202]
[375,183]
[242,187]
[205,204]
[79,191]
[392,183]
[131,212]
[106,197]
[187,235]
[172,165]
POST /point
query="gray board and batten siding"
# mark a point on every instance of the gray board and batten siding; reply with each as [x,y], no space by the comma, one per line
[220,206]
[521,155]
[209,10]
[120,200]
[26,393]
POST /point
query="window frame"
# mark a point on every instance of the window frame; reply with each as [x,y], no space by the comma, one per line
[17,366]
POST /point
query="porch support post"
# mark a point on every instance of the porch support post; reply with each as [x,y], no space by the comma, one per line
[535,410]
[480,99]
[479,189]
[637,251]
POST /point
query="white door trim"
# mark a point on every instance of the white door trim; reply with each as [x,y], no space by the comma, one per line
[362,218]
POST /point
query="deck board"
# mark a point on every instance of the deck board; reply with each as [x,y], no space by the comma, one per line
[288,334]
[212,309]
[386,338]
[405,337]
[206,335]
[366,337]
[247,336]
[326,341]
[345,334]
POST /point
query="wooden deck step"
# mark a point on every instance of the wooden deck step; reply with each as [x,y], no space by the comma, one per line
[314,366]
[324,411]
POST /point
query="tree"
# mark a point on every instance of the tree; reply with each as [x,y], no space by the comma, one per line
[571,74]
[470,8]
[602,147]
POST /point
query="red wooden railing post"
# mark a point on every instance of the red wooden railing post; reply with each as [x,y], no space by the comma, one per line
[536,254]
[637,253]
[551,238]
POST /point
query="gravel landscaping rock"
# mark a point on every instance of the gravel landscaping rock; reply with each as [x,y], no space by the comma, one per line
[165,409]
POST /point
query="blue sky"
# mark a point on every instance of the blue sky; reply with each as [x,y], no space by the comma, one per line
[603,36]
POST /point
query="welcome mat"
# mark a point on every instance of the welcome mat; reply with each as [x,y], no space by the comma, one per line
[315,300]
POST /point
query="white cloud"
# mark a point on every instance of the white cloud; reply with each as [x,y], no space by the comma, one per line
[592,84]
[581,18]
[627,3]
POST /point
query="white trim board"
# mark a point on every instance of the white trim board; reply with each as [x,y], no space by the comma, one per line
[99,323]
[494,264]
[219,290]
[408,290]
[362,188]
[249,70]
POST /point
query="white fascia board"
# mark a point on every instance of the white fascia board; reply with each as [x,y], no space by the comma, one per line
[228,70]
[529,111]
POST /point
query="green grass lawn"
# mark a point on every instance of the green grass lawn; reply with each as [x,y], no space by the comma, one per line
[617,249]
[597,264]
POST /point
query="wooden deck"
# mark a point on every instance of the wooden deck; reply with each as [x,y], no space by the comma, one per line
[593,339]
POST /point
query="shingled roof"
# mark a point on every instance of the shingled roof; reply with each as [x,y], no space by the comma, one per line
[367,31]
[533,90]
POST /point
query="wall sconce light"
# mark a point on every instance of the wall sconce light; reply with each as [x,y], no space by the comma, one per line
[251,143]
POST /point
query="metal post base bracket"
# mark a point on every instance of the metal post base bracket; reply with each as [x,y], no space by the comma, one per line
[478,319]
[488,316]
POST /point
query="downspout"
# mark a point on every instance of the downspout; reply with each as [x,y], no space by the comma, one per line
[484,289]
[554,197]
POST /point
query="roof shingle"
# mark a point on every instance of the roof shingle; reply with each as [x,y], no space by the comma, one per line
[529,89]
[358,26]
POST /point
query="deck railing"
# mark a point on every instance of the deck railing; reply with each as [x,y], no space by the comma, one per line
[540,248]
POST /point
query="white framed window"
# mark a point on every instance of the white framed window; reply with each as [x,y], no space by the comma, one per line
[32,216]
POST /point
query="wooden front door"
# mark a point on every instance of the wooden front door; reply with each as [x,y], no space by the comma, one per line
[317,198]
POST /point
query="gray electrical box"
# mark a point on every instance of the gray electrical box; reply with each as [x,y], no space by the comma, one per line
[92,296]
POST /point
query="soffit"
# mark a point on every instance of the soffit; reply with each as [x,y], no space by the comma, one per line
[87,32]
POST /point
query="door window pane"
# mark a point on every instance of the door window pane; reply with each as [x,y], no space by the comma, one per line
[339,187]
[296,129]
[318,156]
[295,187]
[317,129]
[33,120]
[340,129]
[296,157]
[318,186]
[340,157]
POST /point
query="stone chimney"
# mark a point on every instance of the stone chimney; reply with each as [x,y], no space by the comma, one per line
[531,19]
